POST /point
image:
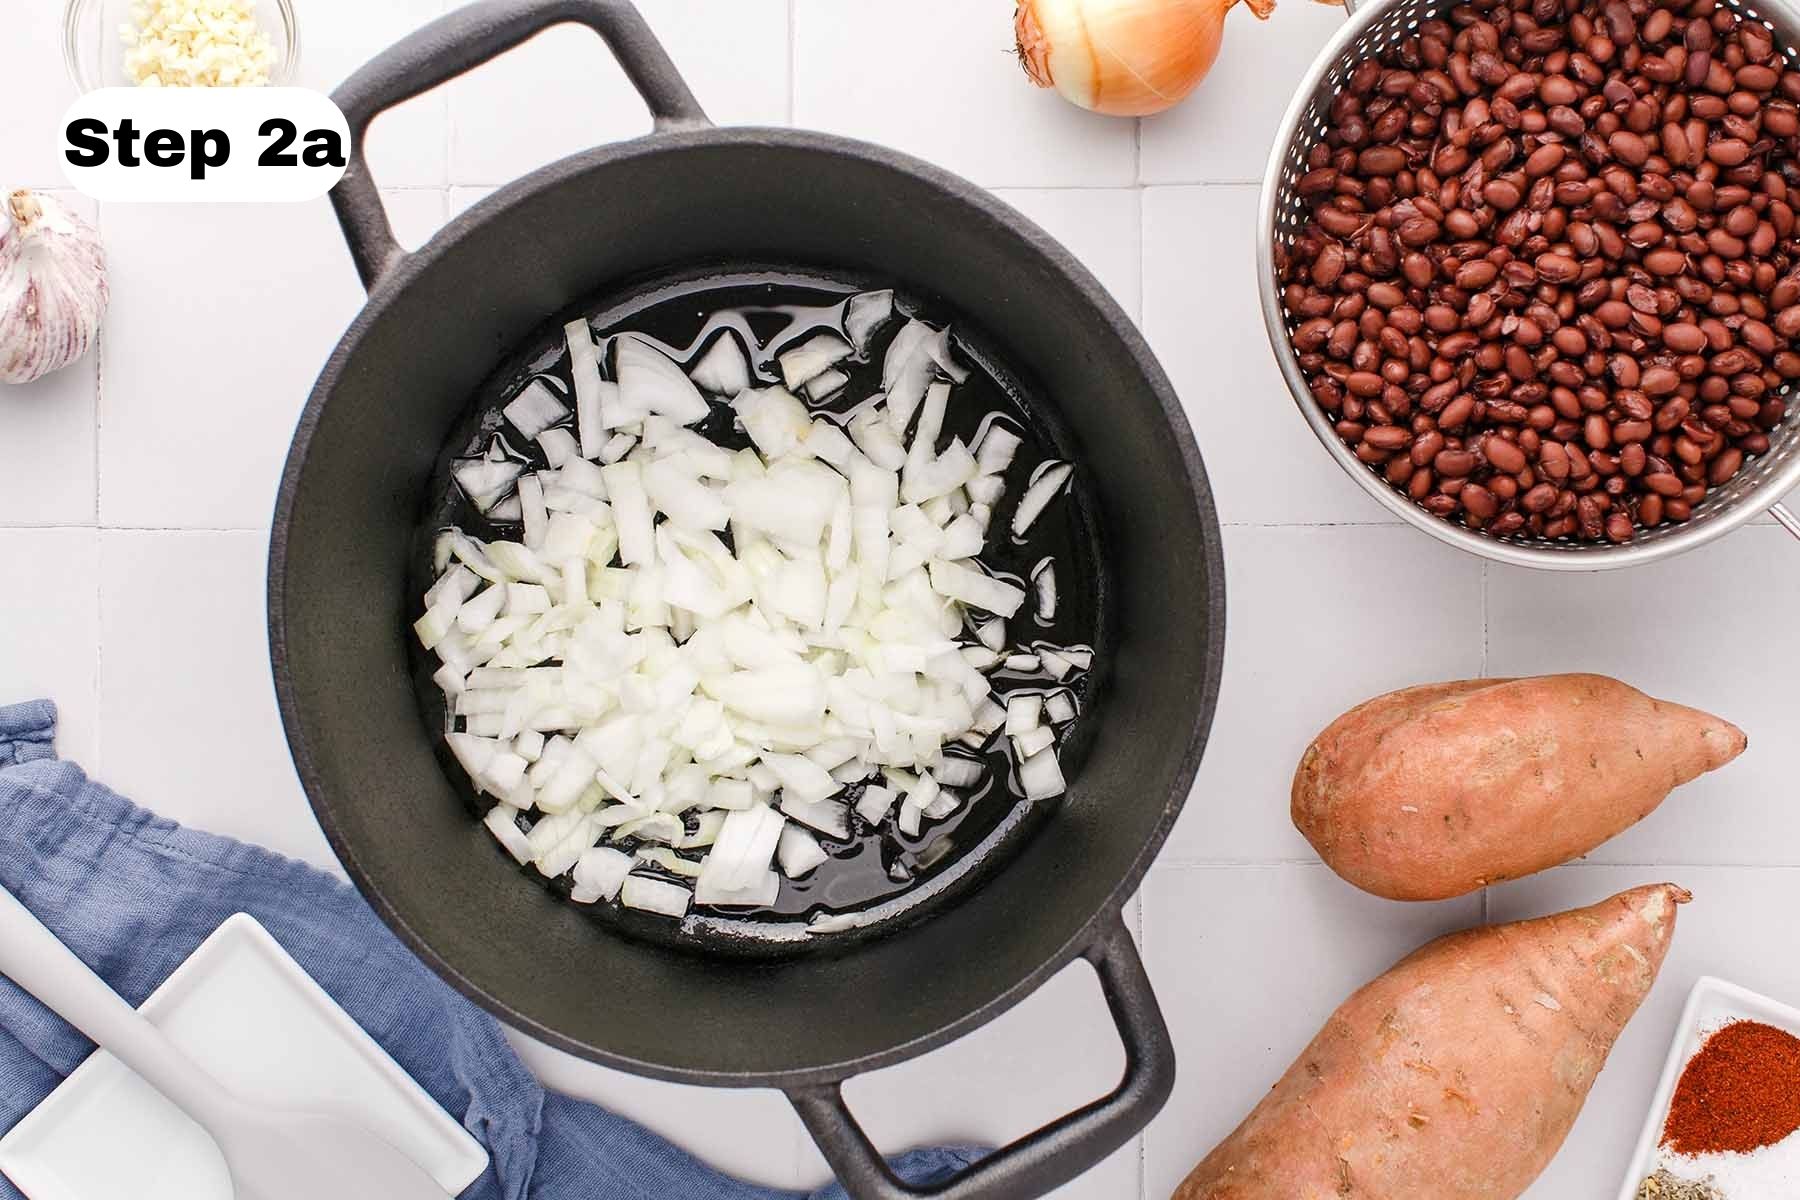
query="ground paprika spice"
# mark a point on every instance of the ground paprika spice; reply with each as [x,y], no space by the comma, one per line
[1741,1091]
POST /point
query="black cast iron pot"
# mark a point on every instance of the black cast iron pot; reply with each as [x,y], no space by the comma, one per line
[439,320]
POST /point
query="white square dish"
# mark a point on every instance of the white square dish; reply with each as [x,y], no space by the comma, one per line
[244,1010]
[1712,1003]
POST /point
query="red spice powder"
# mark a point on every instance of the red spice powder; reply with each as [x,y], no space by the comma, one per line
[1740,1092]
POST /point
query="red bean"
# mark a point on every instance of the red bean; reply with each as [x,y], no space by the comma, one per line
[1551,286]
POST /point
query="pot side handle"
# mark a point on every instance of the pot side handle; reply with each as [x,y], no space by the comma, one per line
[1053,1155]
[460,41]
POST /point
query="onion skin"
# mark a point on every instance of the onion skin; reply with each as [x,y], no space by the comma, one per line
[53,287]
[1124,58]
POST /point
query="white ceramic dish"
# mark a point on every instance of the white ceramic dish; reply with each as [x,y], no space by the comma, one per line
[1712,1003]
[245,1011]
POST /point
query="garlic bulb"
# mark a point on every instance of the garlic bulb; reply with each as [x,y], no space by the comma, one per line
[1126,58]
[53,288]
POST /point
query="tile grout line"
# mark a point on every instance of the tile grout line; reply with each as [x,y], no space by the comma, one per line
[793,58]
[1143,1135]
[1484,618]
[99,542]
[103,528]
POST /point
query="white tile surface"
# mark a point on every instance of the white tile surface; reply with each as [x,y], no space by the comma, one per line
[49,629]
[47,432]
[1297,601]
[1224,131]
[186,698]
[409,144]
[202,391]
[561,92]
[1729,930]
[1714,629]
[31,69]
[1202,319]
[944,85]
[1249,961]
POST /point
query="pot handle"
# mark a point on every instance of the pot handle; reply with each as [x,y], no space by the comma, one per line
[1059,1151]
[464,39]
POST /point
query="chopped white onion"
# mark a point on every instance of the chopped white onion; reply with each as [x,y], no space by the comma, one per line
[1041,775]
[938,476]
[650,382]
[1033,740]
[995,452]
[485,480]
[798,852]
[1038,496]
[964,538]
[824,384]
[736,637]
[599,874]
[655,895]
[956,771]
[875,804]
[744,849]
[1024,712]
[829,817]
[723,370]
[534,409]
[980,657]
[865,313]
[971,587]
[812,358]
[631,513]
[502,822]
[984,489]
[584,368]
[946,803]
[531,510]
[906,373]
[668,860]
[1043,578]
[559,446]
[760,893]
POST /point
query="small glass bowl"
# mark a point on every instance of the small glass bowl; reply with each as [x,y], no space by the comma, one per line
[95,54]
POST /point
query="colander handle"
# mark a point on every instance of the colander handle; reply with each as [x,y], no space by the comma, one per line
[1785,515]
[1055,1154]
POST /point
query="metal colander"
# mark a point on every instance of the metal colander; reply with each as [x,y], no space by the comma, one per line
[1375,27]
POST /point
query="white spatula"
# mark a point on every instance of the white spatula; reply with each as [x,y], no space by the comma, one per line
[272,1155]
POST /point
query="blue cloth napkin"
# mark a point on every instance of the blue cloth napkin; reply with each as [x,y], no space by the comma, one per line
[134,894]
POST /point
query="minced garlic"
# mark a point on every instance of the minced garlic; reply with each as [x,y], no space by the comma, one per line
[196,43]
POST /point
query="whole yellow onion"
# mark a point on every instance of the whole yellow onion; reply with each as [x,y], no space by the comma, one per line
[1126,58]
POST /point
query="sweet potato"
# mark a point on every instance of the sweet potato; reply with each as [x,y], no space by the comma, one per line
[1457,1074]
[1435,791]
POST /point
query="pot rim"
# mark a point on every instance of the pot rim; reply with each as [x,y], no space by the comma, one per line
[411,266]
